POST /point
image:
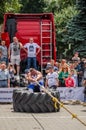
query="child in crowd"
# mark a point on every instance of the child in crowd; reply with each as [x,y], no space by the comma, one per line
[69,82]
[74,76]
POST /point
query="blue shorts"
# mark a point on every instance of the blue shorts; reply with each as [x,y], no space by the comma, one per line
[32,86]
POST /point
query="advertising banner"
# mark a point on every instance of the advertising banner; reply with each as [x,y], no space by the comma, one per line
[65,94]
[71,93]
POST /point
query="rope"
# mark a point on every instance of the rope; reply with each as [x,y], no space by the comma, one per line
[55,100]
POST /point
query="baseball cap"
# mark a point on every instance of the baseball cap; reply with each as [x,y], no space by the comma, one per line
[49,66]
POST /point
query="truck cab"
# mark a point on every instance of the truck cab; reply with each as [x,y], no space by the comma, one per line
[39,26]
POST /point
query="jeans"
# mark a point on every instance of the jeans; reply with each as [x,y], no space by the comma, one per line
[3,84]
[31,61]
[6,60]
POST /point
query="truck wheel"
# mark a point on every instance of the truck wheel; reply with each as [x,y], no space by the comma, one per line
[23,101]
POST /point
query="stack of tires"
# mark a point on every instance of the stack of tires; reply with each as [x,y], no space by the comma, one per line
[24,101]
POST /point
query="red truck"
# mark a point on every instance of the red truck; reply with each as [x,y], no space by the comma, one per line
[39,26]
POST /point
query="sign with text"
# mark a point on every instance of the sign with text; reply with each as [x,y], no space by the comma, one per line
[6,94]
[71,93]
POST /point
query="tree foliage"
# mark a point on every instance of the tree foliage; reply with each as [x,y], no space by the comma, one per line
[76,28]
[68,20]
[33,6]
[2,9]
[63,11]
[12,6]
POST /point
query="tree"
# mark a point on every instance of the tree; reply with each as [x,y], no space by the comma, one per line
[9,6]
[12,6]
[2,9]
[76,29]
[32,6]
[61,20]
[63,11]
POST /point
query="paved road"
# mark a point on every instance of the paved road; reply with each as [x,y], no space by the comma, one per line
[10,120]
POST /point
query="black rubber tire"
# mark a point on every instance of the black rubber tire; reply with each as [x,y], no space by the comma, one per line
[23,101]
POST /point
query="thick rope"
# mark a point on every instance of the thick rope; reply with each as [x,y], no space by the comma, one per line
[55,100]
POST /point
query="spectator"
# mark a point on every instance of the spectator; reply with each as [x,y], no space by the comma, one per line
[12,75]
[74,76]
[51,78]
[4,76]
[56,67]
[5,55]
[32,53]
[84,72]
[79,70]
[69,82]
[34,76]
[63,74]
[1,56]
[53,64]
[76,57]
[14,53]
[63,64]
[84,84]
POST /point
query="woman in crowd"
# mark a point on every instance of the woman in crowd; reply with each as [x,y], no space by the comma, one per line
[63,74]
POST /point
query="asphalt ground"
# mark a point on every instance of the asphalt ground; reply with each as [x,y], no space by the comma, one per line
[10,120]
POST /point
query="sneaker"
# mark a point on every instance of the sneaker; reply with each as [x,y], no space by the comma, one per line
[17,77]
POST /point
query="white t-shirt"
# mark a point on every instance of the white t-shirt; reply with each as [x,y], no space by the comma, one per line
[52,78]
[31,47]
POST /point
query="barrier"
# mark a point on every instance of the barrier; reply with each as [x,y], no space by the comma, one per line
[71,93]
[6,95]
[65,94]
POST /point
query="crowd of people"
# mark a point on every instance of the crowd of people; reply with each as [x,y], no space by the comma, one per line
[61,73]
[10,59]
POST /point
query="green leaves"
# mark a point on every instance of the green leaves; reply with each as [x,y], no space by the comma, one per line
[33,6]
[12,6]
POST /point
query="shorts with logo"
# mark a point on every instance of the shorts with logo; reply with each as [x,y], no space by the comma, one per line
[15,59]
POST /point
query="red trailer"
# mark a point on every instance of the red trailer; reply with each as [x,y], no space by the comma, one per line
[39,26]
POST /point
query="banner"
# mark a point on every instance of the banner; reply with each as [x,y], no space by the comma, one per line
[71,93]
[6,94]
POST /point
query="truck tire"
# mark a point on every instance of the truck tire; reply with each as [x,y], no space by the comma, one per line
[23,101]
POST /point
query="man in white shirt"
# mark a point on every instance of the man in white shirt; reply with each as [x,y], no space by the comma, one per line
[51,78]
[33,50]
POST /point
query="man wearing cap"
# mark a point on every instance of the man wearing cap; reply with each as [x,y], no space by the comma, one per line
[51,78]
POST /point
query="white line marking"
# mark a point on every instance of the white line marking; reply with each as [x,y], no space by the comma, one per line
[30,117]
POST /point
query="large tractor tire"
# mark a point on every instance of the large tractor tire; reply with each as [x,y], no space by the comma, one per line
[23,101]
